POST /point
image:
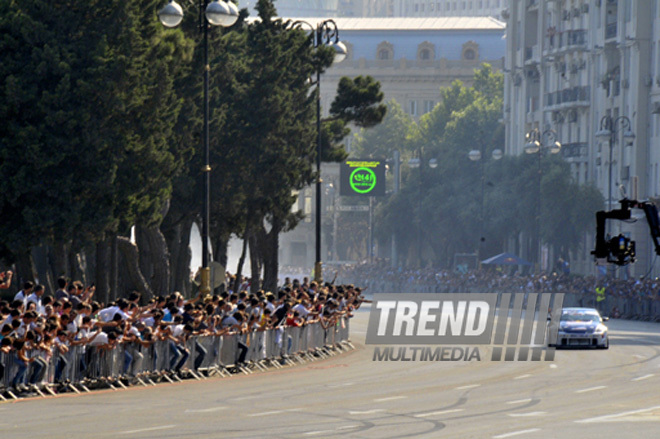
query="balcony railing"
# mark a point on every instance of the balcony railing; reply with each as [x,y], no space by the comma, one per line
[574,150]
[568,95]
[576,39]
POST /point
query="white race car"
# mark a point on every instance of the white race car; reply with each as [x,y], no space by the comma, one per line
[582,327]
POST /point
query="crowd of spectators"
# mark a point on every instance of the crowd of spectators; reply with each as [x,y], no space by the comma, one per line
[382,278]
[34,326]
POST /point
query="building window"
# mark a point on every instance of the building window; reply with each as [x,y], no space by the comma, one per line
[307,209]
[422,7]
[426,51]
[470,51]
[413,108]
[416,7]
[428,106]
[431,7]
[385,51]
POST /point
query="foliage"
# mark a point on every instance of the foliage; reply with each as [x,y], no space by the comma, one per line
[87,113]
[465,206]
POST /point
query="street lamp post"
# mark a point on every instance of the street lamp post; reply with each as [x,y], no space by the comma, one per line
[476,155]
[325,33]
[418,163]
[535,145]
[217,13]
[609,130]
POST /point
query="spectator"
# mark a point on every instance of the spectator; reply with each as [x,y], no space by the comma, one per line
[23,294]
[5,279]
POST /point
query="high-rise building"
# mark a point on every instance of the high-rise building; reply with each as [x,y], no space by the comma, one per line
[581,68]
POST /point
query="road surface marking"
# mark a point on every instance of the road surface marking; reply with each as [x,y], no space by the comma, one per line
[367,412]
[208,410]
[274,412]
[390,398]
[590,389]
[616,415]
[469,386]
[441,412]
[640,356]
[332,386]
[522,376]
[345,427]
[245,398]
[553,366]
[643,377]
[516,433]
[519,401]
[144,430]
[521,415]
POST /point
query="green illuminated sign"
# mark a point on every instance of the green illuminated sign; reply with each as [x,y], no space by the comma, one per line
[362,178]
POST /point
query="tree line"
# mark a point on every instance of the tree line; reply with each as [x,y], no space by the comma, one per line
[101,135]
[447,206]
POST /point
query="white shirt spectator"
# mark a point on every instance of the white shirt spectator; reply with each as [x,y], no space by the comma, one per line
[37,300]
[107,314]
[72,328]
[21,296]
[302,310]
[99,340]
[229,321]
[177,330]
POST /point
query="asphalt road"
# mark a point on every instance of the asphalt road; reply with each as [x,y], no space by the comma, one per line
[583,393]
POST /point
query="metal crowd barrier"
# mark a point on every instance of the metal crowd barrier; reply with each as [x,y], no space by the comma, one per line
[83,367]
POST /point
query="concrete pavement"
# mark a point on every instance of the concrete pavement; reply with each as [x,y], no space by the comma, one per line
[583,393]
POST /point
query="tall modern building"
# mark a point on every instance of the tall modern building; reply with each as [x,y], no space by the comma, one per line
[583,69]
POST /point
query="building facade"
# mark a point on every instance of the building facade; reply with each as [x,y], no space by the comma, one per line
[412,58]
[384,8]
[573,66]
[433,8]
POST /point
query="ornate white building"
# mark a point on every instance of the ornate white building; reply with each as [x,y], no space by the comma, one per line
[574,65]
[433,8]
[384,8]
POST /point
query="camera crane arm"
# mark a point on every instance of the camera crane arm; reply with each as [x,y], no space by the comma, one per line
[621,250]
